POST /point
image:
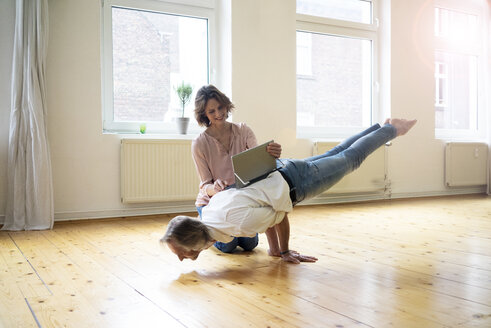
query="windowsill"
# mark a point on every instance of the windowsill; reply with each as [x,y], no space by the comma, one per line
[156,136]
[464,140]
[191,135]
[305,77]
[460,136]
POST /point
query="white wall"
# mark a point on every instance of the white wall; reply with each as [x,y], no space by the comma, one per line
[86,162]
[416,161]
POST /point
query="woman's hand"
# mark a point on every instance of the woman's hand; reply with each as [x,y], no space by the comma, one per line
[295,257]
[218,186]
[274,149]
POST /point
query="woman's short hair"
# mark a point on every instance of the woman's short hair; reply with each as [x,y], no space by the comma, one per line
[204,94]
[187,232]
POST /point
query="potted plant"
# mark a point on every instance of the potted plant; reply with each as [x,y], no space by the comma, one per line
[184,91]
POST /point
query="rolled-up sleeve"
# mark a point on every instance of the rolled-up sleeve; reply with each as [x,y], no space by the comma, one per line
[205,175]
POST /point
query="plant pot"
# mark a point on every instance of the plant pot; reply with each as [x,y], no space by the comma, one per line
[182,125]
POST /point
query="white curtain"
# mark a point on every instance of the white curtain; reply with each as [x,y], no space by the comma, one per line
[30,188]
[489,135]
[488,96]
[489,163]
[488,88]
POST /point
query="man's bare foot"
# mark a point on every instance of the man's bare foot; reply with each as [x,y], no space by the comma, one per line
[402,126]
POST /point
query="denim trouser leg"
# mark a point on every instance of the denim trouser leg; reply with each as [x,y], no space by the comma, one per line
[342,146]
[227,247]
[247,243]
[314,175]
[346,143]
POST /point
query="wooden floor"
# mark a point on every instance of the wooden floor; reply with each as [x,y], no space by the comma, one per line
[401,263]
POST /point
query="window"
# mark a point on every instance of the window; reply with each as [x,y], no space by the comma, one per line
[459,69]
[348,10]
[149,48]
[336,67]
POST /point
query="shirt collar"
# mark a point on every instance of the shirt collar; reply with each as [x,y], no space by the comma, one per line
[218,235]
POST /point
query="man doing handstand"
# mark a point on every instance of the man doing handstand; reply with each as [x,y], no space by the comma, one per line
[265,204]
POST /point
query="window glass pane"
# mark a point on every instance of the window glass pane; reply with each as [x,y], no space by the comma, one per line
[304,53]
[457,107]
[152,53]
[350,10]
[338,91]
[456,27]
[441,84]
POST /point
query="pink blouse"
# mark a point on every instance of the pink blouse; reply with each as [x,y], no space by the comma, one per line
[214,162]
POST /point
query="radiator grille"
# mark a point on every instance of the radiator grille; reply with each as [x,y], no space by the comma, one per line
[465,164]
[154,170]
[368,178]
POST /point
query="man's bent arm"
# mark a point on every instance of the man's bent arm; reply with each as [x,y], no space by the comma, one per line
[274,247]
[283,232]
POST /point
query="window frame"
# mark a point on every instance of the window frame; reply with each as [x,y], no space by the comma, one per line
[349,29]
[203,9]
[477,8]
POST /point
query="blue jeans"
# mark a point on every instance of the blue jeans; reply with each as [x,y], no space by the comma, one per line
[247,243]
[314,175]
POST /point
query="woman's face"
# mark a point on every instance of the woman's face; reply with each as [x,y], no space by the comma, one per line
[216,112]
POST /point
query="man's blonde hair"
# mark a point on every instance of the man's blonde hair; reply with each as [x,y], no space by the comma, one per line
[187,232]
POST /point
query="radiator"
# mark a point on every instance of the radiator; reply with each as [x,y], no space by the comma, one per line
[368,178]
[465,164]
[154,170]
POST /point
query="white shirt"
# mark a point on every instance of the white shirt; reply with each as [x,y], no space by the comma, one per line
[247,211]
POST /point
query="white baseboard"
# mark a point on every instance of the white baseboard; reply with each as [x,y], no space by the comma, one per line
[189,207]
[343,198]
[105,214]
[136,211]
[350,198]
[449,192]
